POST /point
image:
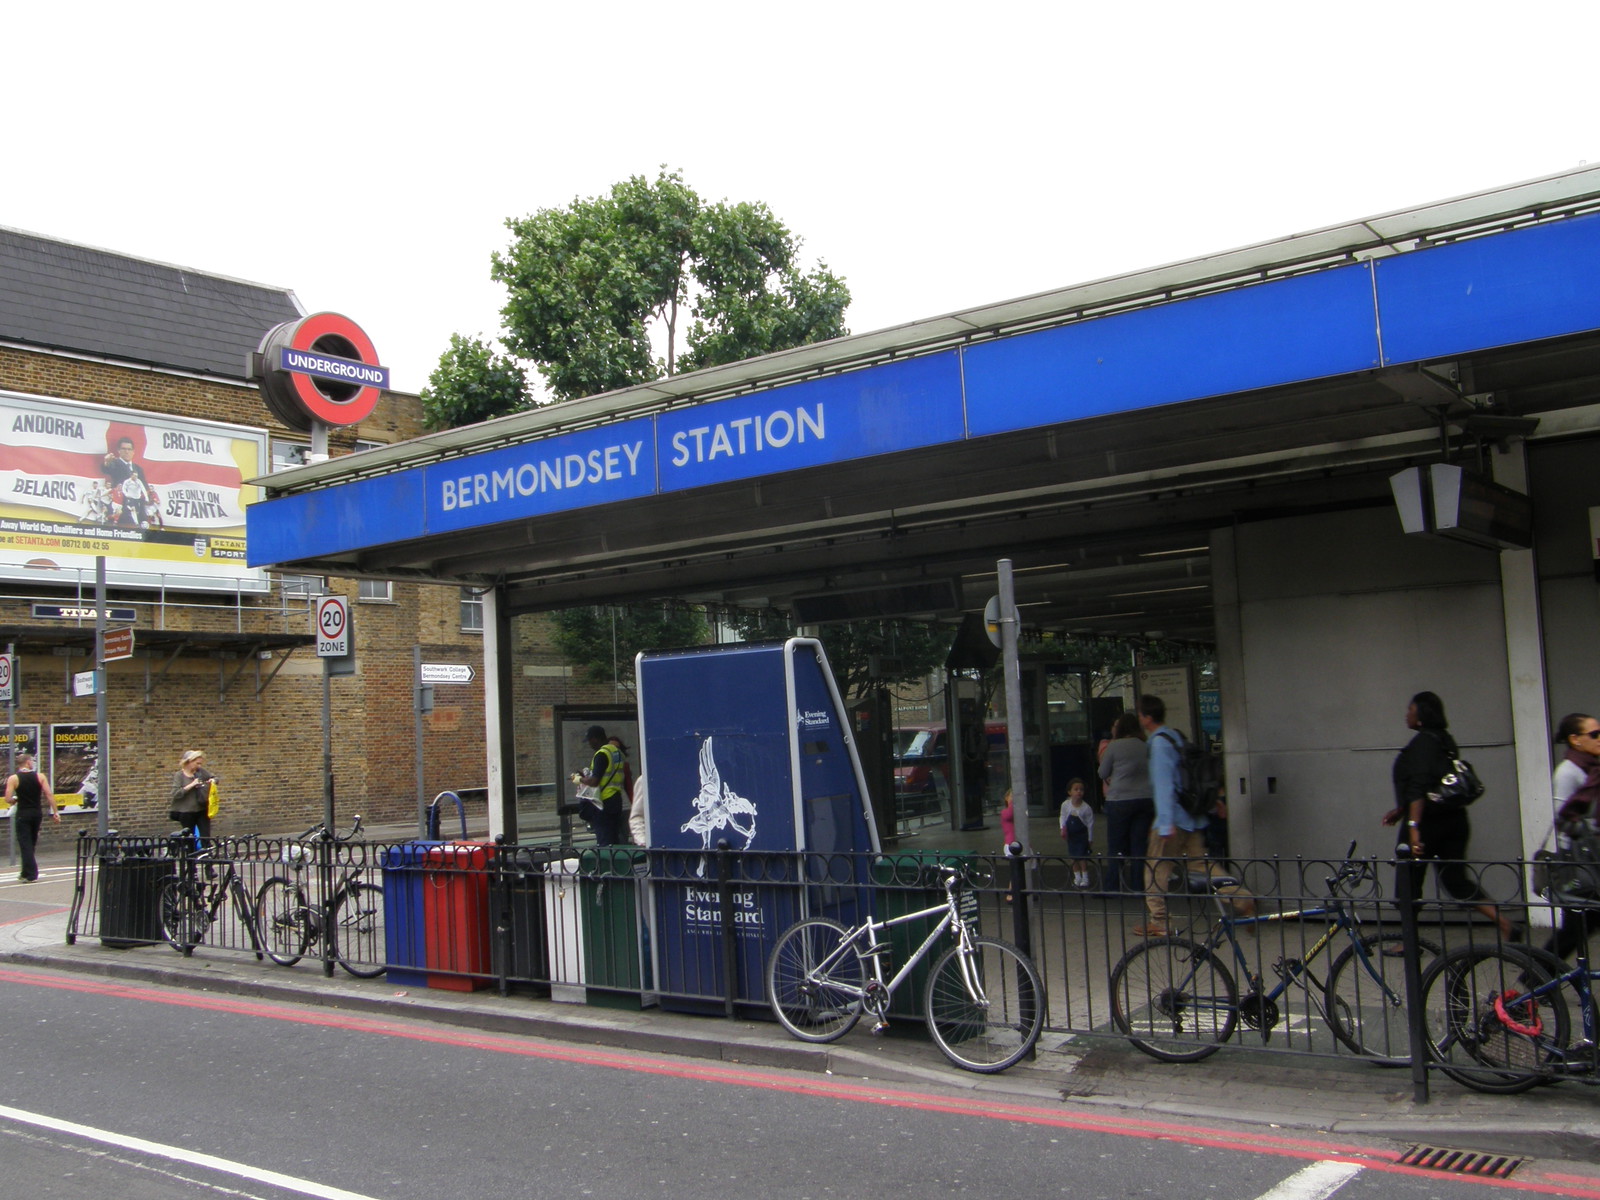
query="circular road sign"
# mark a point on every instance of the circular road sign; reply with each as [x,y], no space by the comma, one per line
[320,368]
[332,617]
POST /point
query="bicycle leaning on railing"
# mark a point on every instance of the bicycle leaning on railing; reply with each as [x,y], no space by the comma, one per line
[1178,1000]
[983,1001]
[350,921]
[192,898]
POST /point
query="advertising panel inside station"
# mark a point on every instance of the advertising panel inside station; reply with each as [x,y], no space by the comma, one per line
[748,745]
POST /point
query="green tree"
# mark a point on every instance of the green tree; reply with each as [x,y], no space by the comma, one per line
[600,641]
[914,647]
[472,383]
[586,281]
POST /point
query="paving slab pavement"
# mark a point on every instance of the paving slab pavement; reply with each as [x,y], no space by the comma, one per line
[1238,1085]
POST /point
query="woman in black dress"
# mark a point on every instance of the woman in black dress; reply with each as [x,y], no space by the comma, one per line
[1436,831]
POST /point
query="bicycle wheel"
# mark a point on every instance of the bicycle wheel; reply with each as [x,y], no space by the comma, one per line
[815,1006]
[1175,998]
[357,933]
[985,1007]
[283,920]
[184,920]
[1364,998]
[1495,1016]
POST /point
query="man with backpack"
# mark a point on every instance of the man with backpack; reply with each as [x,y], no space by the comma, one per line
[1177,837]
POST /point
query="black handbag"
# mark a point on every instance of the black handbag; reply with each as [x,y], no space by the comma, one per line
[1460,785]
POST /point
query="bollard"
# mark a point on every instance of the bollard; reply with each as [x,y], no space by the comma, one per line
[1405,880]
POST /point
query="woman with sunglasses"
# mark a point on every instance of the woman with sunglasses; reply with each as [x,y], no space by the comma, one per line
[1576,786]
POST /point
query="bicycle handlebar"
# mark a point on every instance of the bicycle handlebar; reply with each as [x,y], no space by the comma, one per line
[321,828]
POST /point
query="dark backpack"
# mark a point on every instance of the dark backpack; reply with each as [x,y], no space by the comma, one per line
[1199,778]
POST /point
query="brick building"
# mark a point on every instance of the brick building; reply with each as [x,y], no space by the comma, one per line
[93,344]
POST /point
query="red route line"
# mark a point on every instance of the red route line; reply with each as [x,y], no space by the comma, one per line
[49,912]
[1276,1145]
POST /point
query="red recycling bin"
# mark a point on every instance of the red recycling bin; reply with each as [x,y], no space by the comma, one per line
[455,908]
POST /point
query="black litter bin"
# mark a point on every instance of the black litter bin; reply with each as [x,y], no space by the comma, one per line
[519,954]
[130,894]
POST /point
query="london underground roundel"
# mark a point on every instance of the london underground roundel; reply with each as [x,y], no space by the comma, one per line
[320,368]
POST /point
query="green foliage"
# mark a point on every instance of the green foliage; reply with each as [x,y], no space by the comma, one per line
[584,283]
[919,648]
[472,383]
[600,642]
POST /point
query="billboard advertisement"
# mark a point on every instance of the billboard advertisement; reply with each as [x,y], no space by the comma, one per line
[159,496]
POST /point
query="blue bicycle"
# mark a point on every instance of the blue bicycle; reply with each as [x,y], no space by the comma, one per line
[1177,1000]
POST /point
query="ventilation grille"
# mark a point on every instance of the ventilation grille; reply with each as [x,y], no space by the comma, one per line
[1461,1162]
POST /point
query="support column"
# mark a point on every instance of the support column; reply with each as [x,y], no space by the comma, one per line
[1232,691]
[1530,702]
[499,727]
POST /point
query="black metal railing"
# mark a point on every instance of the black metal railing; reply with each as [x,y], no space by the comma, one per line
[1318,957]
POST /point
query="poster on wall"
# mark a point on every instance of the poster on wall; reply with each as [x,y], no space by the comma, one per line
[19,737]
[1175,685]
[162,498]
[75,766]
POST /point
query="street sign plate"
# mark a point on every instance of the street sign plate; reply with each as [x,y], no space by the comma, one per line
[85,683]
[8,676]
[448,673]
[332,626]
[118,644]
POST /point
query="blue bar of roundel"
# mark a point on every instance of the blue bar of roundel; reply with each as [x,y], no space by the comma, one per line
[366,512]
[1268,334]
[878,410]
[1520,286]
[530,479]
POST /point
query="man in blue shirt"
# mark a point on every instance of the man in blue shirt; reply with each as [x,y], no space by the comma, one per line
[1177,839]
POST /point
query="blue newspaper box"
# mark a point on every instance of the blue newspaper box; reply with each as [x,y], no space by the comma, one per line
[751,745]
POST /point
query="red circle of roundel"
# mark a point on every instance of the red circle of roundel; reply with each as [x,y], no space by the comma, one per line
[348,412]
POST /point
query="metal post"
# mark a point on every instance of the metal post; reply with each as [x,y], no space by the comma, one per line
[102,737]
[416,705]
[327,744]
[1014,713]
[11,767]
[1405,881]
[730,949]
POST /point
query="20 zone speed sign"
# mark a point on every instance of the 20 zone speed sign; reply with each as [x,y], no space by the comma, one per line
[8,685]
[332,617]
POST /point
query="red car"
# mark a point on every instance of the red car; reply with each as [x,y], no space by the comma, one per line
[922,769]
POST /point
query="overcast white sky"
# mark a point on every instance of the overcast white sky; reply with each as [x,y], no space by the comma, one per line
[938,156]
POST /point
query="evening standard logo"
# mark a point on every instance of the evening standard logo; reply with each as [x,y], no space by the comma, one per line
[702,912]
[813,719]
[718,807]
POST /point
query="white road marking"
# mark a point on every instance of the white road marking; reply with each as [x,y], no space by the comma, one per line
[289,1183]
[1316,1182]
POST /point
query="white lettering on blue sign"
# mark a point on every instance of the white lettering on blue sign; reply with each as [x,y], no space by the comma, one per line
[530,478]
[323,366]
[747,435]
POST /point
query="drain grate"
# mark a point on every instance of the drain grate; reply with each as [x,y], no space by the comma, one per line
[1462,1162]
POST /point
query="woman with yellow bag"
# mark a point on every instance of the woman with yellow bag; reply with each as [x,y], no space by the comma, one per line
[193,788]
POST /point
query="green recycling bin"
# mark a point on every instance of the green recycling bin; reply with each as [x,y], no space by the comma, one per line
[614,957]
[907,885]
